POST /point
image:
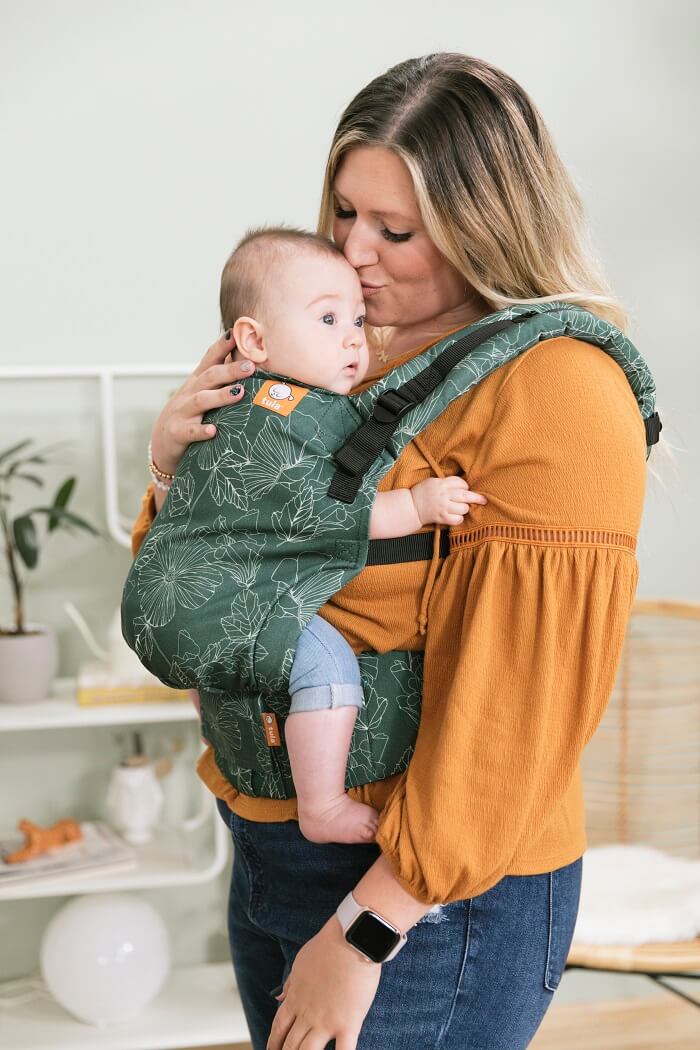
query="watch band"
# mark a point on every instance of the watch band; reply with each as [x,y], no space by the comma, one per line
[349,910]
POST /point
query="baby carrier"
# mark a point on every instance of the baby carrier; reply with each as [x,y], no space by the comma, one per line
[269,519]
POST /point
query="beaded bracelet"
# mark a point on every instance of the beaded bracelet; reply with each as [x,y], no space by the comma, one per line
[164,486]
[156,470]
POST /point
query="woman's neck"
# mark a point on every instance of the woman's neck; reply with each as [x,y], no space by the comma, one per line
[401,340]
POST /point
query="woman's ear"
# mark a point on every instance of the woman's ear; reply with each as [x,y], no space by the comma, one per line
[249,340]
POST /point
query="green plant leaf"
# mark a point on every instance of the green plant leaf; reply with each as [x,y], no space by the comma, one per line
[31,477]
[26,540]
[15,448]
[60,501]
[66,518]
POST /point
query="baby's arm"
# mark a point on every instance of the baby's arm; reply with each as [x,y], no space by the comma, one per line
[441,500]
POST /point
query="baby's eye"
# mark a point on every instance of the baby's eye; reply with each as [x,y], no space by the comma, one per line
[328,318]
[360,322]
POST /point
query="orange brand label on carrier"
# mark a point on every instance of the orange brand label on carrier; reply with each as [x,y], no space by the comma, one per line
[272,733]
[279,397]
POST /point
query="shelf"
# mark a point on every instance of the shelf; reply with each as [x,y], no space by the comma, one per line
[61,711]
[171,859]
[198,1007]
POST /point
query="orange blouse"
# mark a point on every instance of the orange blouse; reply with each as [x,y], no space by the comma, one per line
[522,625]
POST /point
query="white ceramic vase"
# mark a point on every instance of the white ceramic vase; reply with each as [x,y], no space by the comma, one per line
[28,665]
[134,801]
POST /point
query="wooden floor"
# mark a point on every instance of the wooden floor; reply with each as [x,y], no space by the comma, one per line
[634,1024]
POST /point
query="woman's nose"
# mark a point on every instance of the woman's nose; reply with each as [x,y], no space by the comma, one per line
[359,248]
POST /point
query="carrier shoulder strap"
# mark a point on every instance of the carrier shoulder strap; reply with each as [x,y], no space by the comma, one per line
[360,451]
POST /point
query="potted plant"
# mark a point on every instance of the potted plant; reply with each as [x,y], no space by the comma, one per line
[28,652]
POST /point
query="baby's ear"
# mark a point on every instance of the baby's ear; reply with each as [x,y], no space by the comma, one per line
[248,337]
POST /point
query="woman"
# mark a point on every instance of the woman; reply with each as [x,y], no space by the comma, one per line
[445,193]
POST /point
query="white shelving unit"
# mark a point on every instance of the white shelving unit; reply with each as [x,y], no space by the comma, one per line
[199,1005]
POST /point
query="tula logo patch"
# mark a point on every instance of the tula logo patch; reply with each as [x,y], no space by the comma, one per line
[278,397]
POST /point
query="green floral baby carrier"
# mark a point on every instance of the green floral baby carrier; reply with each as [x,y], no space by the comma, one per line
[268,520]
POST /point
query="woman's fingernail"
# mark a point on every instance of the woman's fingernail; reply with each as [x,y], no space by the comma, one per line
[276,991]
[227,334]
[246,366]
[236,390]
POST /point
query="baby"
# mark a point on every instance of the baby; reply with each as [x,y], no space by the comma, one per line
[295,307]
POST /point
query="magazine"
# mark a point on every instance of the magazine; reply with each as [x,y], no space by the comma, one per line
[99,851]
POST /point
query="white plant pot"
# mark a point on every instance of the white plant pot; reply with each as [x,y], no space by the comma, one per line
[28,665]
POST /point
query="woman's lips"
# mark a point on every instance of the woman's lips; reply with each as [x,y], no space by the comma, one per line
[368,290]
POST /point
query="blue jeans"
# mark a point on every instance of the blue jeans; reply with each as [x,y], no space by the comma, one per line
[477,975]
[325,672]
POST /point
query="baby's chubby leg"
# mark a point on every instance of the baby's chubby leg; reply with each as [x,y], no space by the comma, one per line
[326,693]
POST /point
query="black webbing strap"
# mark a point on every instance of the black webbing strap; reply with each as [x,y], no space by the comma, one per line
[416,547]
[359,452]
[652,429]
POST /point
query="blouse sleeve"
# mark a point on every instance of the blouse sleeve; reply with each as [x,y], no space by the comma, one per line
[146,517]
[526,624]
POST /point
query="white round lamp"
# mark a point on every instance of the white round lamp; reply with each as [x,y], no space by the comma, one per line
[105,957]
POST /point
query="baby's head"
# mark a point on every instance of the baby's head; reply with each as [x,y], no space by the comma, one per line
[295,306]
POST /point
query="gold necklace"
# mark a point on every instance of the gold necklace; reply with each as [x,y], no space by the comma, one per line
[381,355]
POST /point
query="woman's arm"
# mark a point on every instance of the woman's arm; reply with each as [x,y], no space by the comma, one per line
[526,625]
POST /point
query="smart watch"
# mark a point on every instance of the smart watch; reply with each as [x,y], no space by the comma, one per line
[368,933]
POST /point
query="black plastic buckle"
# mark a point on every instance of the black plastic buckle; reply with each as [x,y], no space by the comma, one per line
[391,406]
[653,428]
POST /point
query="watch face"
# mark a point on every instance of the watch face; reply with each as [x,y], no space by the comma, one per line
[372,936]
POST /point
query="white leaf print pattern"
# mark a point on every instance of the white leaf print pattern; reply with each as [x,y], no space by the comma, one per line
[247,616]
[177,574]
[180,495]
[275,459]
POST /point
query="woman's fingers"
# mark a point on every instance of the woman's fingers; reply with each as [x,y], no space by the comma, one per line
[222,374]
[281,1032]
[216,353]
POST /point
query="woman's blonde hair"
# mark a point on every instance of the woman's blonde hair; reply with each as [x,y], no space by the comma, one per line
[493,194]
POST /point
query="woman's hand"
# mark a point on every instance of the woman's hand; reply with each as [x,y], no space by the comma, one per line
[209,386]
[327,995]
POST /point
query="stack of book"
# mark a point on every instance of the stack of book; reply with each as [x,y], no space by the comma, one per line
[100,851]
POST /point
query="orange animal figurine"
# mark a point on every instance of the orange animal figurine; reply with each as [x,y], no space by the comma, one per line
[40,840]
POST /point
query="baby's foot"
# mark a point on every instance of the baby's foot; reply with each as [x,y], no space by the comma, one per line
[339,820]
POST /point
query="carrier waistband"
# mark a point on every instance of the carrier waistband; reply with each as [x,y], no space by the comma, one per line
[416,547]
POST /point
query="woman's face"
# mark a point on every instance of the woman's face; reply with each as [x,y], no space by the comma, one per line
[405,280]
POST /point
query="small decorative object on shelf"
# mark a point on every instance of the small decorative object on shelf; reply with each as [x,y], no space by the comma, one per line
[67,848]
[28,652]
[117,676]
[38,840]
[105,957]
[135,797]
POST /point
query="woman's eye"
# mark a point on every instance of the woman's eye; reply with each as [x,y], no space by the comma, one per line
[396,238]
[343,213]
[360,322]
[328,318]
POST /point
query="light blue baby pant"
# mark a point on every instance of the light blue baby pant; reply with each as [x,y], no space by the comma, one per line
[325,672]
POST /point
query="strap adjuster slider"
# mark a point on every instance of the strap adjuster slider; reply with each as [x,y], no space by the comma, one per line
[390,406]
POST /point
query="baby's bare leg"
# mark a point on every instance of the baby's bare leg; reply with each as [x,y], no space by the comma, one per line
[318,743]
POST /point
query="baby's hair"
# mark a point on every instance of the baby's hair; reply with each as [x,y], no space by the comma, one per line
[250,266]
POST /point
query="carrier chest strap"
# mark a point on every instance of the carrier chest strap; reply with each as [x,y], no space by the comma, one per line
[360,451]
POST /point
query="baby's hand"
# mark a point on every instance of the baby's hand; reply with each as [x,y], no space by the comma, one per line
[444,501]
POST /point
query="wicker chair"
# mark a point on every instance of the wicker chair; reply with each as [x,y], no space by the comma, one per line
[641,771]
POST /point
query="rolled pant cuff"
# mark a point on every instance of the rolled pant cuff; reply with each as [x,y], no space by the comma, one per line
[325,697]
